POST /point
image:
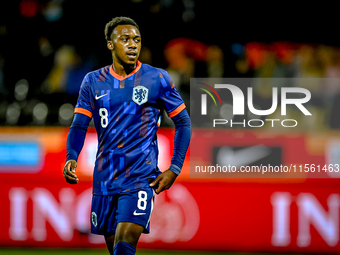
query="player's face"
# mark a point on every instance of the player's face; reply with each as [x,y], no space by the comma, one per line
[126,44]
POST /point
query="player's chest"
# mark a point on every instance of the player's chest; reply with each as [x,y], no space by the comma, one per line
[119,93]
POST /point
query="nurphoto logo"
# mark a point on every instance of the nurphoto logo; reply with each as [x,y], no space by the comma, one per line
[243,102]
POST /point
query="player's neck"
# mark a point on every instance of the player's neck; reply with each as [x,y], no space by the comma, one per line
[123,70]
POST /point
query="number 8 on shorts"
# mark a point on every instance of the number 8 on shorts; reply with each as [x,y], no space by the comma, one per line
[142,200]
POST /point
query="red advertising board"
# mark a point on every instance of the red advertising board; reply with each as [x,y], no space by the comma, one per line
[198,216]
[40,209]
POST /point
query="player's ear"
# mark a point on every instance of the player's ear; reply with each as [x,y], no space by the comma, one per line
[110,45]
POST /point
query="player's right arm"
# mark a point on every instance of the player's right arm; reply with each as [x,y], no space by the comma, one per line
[75,142]
[77,132]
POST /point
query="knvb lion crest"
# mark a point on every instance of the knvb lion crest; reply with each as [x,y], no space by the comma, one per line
[140,95]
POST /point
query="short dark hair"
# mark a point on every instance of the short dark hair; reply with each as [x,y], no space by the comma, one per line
[110,26]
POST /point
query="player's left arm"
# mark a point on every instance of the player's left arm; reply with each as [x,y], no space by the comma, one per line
[181,144]
[181,119]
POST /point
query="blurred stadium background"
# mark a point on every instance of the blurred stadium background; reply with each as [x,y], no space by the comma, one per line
[46,48]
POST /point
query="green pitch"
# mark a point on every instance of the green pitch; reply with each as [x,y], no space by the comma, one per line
[30,251]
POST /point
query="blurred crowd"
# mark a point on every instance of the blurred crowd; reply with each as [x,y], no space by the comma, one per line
[47,47]
[315,67]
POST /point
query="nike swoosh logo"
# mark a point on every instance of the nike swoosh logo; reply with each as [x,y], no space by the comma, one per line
[97,97]
[241,157]
[136,213]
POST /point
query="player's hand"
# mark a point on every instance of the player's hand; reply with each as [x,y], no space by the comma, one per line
[69,172]
[164,181]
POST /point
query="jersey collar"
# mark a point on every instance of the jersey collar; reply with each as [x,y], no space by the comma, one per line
[117,76]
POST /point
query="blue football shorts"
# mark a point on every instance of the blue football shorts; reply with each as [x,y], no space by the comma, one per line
[134,206]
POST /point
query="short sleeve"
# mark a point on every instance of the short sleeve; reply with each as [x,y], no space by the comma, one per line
[84,100]
[169,96]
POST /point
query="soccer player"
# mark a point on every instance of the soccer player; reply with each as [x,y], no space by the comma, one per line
[126,101]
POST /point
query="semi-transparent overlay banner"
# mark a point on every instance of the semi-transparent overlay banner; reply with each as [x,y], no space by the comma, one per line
[265,128]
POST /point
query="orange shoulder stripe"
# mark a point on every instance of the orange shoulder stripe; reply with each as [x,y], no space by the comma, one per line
[177,110]
[83,111]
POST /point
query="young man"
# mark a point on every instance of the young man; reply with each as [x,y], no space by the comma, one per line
[126,101]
